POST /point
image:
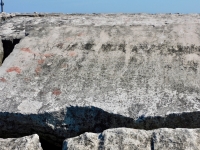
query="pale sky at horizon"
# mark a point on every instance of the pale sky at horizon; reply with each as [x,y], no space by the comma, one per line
[102,6]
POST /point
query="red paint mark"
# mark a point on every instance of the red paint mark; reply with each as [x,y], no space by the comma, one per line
[3,80]
[56,92]
[26,50]
[41,61]
[16,69]
[72,53]
[48,55]
[38,70]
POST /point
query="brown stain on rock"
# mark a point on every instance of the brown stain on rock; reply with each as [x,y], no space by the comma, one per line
[64,66]
[80,34]
[72,53]
[48,55]
[38,70]
[27,79]
[3,80]
[56,92]
[41,61]
[60,45]
[15,69]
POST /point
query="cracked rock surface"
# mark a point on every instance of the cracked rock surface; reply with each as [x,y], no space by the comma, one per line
[72,74]
[129,139]
[25,143]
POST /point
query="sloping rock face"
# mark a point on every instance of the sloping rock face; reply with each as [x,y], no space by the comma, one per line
[129,139]
[72,74]
[25,143]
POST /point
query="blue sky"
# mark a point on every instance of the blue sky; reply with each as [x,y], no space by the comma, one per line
[103,6]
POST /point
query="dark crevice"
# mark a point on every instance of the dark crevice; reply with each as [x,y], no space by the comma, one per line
[53,128]
[8,46]
[153,140]
[46,145]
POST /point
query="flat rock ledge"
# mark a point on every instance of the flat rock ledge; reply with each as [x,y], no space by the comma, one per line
[132,139]
[25,143]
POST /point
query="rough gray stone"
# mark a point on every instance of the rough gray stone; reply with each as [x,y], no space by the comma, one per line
[87,73]
[129,139]
[25,143]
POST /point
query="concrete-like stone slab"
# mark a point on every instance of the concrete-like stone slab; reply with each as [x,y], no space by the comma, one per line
[25,143]
[128,139]
[85,73]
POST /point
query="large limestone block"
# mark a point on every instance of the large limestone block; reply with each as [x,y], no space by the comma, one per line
[131,139]
[78,73]
[25,143]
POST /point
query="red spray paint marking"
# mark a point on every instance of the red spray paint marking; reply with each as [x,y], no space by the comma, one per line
[56,92]
[16,69]
[26,50]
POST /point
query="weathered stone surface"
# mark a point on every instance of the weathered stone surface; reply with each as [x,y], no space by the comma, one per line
[25,143]
[129,139]
[72,74]
[1,52]
[14,25]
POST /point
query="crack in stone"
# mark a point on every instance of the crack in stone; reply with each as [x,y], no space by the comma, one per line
[54,127]
[8,46]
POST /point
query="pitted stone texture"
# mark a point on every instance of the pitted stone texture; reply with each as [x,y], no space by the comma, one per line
[1,52]
[25,143]
[71,77]
[129,139]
